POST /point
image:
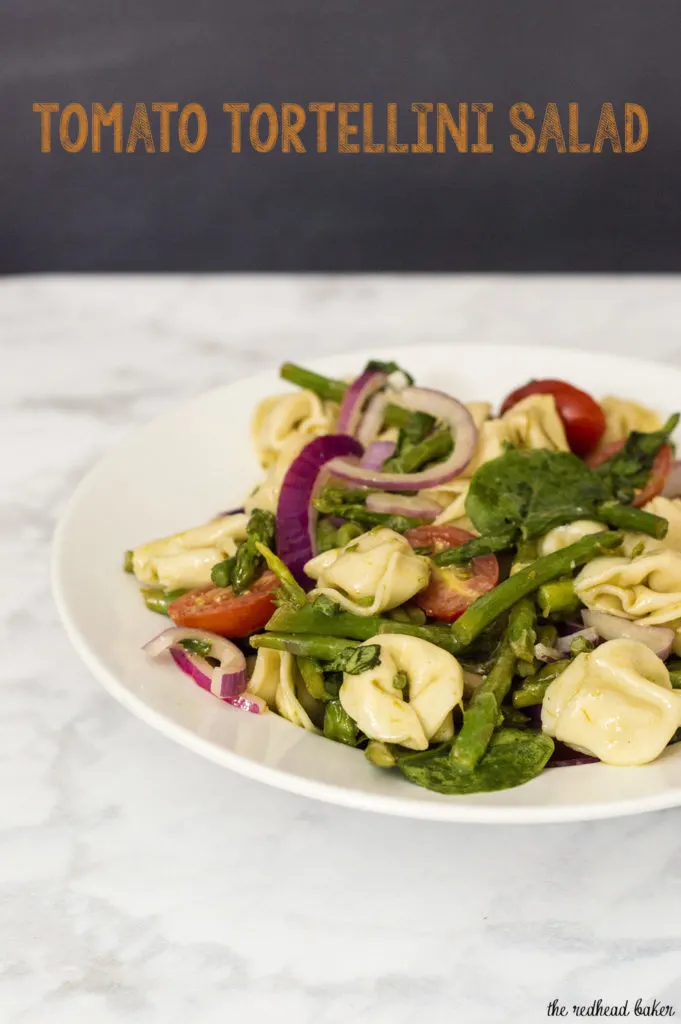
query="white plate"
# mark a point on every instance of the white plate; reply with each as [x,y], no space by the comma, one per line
[188,464]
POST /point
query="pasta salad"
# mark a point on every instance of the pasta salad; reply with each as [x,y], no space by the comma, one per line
[467,598]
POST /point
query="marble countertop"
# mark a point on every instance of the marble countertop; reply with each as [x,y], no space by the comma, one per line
[142,884]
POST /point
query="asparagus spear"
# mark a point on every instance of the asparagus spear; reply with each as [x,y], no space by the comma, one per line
[414,456]
[248,560]
[480,717]
[158,600]
[346,533]
[333,391]
[557,597]
[326,536]
[522,635]
[313,677]
[127,561]
[221,574]
[626,517]
[344,624]
[489,544]
[321,648]
[533,689]
[292,590]
[363,515]
[490,606]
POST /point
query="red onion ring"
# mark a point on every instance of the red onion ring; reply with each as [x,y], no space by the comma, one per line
[372,420]
[377,453]
[356,397]
[296,516]
[225,681]
[418,506]
[444,408]
[613,627]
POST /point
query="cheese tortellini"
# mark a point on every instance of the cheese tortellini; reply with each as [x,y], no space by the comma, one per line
[644,587]
[616,703]
[277,680]
[186,559]
[623,416]
[669,509]
[562,536]
[410,711]
[374,573]
[281,427]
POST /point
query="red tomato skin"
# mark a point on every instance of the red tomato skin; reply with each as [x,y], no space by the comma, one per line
[582,416]
[446,597]
[220,611]
[662,464]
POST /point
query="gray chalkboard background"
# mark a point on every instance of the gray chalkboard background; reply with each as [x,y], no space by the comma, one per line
[218,211]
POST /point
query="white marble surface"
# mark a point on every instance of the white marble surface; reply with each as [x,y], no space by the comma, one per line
[141,884]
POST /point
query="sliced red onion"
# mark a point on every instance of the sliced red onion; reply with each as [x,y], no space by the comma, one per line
[448,411]
[564,643]
[672,487]
[377,453]
[296,516]
[372,420]
[356,397]
[564,756]
[418,506]
[226,680]
[613,627]
[546,654]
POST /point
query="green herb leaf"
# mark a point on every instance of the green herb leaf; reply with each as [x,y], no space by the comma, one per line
[355,660]
[325,606]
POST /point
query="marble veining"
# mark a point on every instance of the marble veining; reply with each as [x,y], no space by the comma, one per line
[139,883]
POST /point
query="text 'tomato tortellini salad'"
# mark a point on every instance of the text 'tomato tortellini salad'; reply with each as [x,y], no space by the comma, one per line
[465,596]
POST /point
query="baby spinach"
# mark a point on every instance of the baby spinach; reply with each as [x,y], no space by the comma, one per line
[514,756]
[531,492]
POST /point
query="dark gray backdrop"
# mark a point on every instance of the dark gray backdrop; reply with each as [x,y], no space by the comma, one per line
[215,211]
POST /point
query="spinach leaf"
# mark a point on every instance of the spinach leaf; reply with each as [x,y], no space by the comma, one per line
[355,660]
[338,725]
[514,756]
[531,492]
[627,471]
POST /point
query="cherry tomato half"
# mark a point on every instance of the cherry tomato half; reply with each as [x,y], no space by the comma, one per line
[452,589]
[662,464]
[220,610]
[582,417]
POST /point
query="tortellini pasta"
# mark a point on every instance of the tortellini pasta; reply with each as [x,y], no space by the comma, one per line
[415,714]
[562,536]
[276,679]
[186,559]
[644,587]
[374,573]
[669,509]
[281,427]
[623,416]
[615,703]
